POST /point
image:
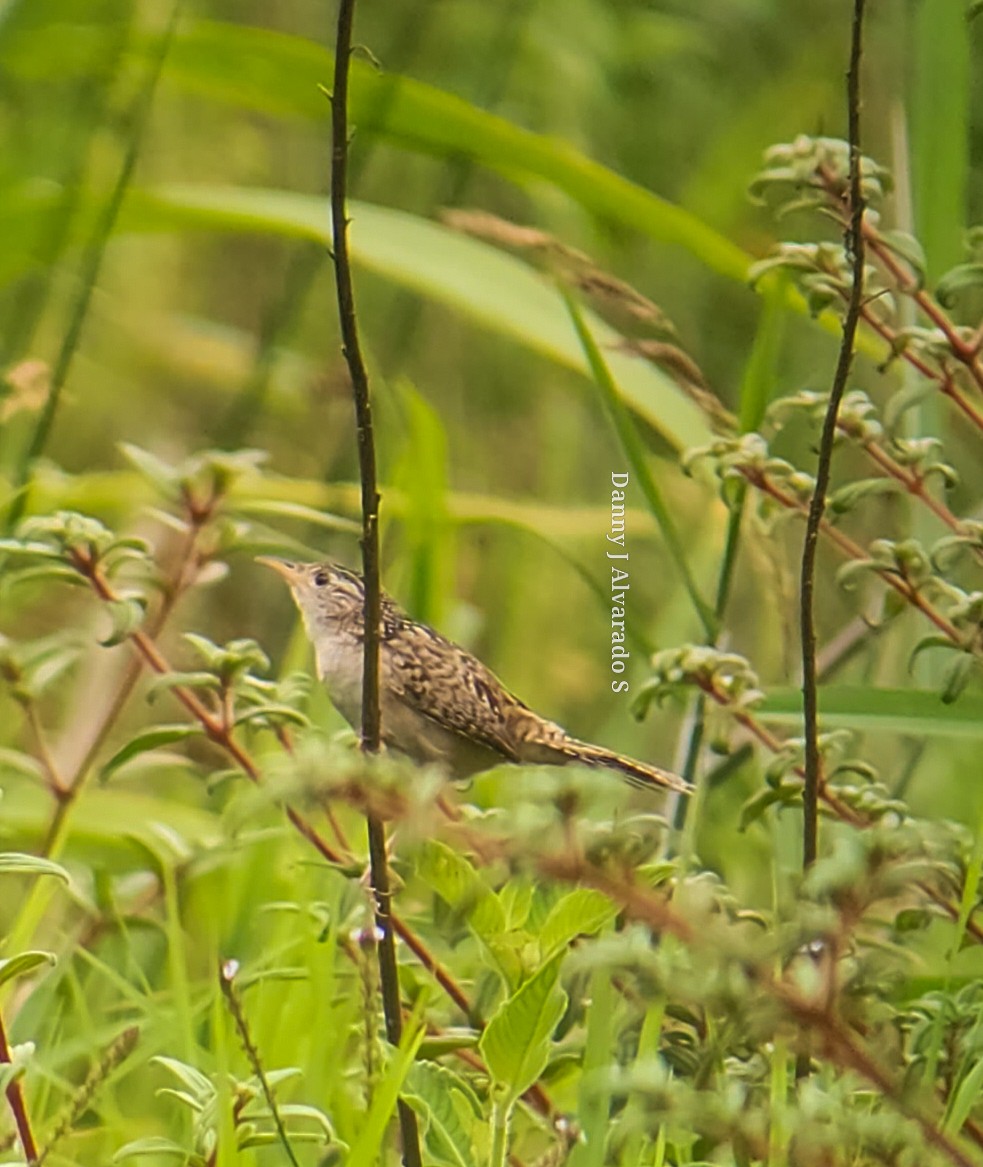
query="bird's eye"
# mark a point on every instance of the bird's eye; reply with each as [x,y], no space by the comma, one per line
[322,579]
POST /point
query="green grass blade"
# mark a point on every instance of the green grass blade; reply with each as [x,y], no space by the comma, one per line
[909,712]
[247,67]
[632,445]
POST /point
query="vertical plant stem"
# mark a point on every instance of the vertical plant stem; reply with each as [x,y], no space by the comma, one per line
[500,1119]
[378,860]
[226,975]
[91,266]
[817,506]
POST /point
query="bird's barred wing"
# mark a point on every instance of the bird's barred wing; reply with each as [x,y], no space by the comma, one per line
[441,681]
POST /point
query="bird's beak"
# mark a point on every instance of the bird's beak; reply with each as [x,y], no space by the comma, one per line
[289,571]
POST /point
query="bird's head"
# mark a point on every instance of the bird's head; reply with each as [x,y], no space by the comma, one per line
[325,593]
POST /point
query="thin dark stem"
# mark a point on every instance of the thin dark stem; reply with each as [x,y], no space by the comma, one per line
[855,246]
[18,1107]
[724,581]
[359,376]
[378,859]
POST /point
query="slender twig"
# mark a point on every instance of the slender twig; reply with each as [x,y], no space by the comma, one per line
[966,352]
[18,1107]
[226,974]
[853,550]
[378,858]
[56,783]
[855,245]
[91,267]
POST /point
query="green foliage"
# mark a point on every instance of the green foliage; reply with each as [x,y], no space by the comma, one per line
[583,980]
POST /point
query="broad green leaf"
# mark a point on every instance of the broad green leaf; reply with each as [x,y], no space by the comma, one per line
[939,106]
[421,473]
[516,1041]
[902,711]
[453,878]
[104,491]
[965,1100]
[294,510]
[471,277]
[279,75]
[149,739]
[449,1111]
[581,912]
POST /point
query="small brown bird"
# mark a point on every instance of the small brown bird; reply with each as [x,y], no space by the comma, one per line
[438,703]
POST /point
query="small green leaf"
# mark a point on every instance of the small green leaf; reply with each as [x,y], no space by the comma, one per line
[232,659]
[24,963]
[13,863]
[959,279]
[199,1086]
[197,679]
[152,1145]
[910,250]
[127,616]
[516,1042]
[847,497]
[163,476]
[273,715]
[956,678]
[150,739]
[755,807]
[934,641]
[453,878]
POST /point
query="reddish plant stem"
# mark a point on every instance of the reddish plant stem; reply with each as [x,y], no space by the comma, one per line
[67,794]
[966,352]
[914,484]
[943,377]
[15,1099]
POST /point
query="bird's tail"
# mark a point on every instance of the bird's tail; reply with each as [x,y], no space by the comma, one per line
[639,774]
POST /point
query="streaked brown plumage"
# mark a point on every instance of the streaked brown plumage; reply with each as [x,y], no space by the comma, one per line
[439,703]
